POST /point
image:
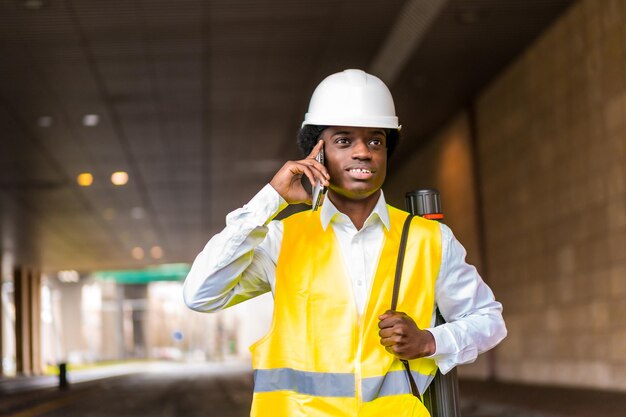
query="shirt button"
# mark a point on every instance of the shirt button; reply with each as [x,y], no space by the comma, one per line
[359,282]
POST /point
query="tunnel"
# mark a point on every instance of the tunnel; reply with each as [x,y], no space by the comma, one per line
[131,129]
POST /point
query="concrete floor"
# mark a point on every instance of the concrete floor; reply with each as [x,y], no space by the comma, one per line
[168,390]
[159,390]
[490,399]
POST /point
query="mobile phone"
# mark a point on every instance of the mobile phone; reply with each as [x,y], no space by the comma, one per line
[319,191]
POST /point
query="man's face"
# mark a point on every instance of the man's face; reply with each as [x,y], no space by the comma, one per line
[356,159]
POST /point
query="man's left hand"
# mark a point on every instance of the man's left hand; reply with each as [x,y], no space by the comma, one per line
[401,337]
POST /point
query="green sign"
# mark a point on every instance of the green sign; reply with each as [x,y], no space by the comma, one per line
[166,272]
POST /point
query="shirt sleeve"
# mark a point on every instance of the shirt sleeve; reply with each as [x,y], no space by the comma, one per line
[238,263]
[474,322]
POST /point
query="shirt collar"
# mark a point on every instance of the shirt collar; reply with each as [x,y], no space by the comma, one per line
[328,212]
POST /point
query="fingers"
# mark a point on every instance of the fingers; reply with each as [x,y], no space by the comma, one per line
[316,149]
[390,318]
[391,336]
[299,168]
[395,346]
[393,329]
[386,315]
[391,332]
[287,180]
[315,164]
[287,183]
[390,341]
[394,341]
[398,351]
[312,169]
[402,337]
[313,172]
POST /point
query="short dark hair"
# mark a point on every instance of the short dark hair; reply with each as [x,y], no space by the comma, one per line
[309,135]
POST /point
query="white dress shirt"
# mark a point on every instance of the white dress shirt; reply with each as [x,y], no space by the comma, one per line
[240,263]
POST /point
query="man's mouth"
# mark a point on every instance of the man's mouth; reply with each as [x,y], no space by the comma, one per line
[360,173]
[360,170]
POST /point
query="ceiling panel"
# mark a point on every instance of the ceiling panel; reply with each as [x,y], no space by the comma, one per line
[200,101]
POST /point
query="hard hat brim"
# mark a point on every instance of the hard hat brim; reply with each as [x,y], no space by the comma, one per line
[387,122]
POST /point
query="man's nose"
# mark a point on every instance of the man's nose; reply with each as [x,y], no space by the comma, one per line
[361,150]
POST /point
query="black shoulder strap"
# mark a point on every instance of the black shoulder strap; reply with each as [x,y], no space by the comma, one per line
[396,290]
[396,281]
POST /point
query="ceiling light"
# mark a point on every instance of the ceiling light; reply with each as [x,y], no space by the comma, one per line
[33,4]
[137,253]
[119,178]
[91,120]
[45,121]
[156,252]
[85,179]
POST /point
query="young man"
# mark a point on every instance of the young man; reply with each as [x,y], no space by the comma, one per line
[335,347]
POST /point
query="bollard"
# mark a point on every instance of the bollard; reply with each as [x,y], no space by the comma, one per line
[63,376]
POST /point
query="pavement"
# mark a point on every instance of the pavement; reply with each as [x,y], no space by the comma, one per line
[11,385]
[224,389]
[499,399]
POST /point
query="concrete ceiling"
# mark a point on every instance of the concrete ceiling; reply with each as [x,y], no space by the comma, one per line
[200,101]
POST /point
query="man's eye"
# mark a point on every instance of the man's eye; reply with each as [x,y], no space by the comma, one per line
[376,142]
[342,140]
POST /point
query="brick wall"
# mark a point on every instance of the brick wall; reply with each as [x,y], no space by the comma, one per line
[552,155]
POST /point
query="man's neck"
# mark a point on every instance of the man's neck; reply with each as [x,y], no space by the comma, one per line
[357,210]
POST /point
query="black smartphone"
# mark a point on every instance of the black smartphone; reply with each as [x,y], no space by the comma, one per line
[319,191]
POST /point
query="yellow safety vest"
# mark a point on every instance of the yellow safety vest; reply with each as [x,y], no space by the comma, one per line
[320,357]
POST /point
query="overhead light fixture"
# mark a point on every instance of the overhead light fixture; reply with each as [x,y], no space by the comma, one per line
[91,120]
[34,4]
[137,253]
[119,178]
[85,179]
[156,252]
[45,121]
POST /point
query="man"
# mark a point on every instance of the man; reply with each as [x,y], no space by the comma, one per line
[335,347]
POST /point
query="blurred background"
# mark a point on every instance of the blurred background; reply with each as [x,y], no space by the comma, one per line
[129,129]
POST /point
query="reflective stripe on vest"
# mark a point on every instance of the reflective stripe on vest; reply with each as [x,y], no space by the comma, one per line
[320,384]
[394,383]
[328,384]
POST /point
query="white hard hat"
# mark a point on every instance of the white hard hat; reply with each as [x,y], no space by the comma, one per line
[352,98]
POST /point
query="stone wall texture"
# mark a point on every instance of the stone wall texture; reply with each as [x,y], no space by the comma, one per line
[550,148]
[552,163]
[552,160]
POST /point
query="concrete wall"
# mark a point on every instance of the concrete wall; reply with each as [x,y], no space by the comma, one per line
[551,152]
[444,163]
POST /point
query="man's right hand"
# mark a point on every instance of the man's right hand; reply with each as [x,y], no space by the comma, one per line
[287,181]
